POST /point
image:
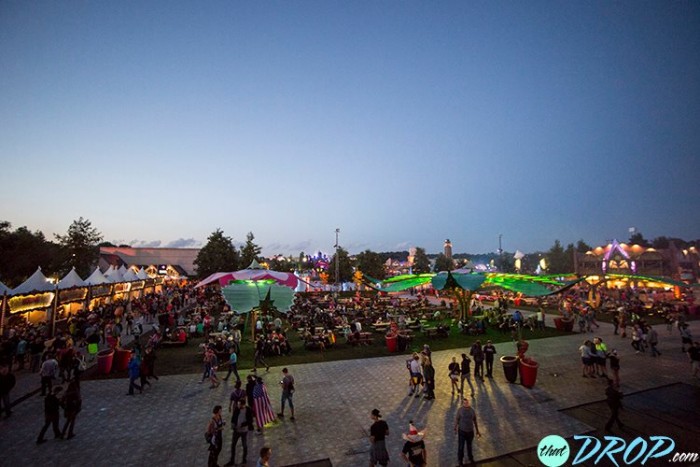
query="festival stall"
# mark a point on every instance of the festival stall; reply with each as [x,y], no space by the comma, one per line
[72,294]
[100,289]
[34,298]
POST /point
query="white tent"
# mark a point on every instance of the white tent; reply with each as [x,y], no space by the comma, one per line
[4,289]
[122,269]
[96,278]
[72,279]
[115,276]
[130,276]
[142,274]
[37,282]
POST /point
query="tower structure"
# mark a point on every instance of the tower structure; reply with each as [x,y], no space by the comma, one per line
[448,249]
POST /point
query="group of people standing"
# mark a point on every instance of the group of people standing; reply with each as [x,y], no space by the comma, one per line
[250,410]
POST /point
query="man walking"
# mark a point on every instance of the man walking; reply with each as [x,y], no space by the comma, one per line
[7,382]
[694,355]
[52,407]
[287,392]
[465,374]
[465,426]
[614,398]
[241,424]
[48,372]
[489,352]
[232,365]
[134,373]
[653,338]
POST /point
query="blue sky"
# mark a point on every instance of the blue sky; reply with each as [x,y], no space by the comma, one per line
[401,123]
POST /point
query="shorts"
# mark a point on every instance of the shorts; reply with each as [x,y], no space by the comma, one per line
[587,361]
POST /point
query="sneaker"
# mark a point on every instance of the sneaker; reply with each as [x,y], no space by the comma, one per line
[280,415]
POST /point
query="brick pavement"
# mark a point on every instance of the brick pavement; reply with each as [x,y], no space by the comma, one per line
[165,425]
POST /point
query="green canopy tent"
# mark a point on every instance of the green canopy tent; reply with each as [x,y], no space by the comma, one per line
[244,296]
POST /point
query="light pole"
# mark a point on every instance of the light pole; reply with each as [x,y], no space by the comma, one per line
[500,253]
[337,263]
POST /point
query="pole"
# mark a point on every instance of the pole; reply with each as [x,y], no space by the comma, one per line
[54,311]
[2,313]
[500,253]
[337,263]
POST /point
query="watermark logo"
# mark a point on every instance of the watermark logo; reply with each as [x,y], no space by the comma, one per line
[553,451]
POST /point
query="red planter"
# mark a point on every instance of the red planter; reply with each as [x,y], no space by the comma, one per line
[528,372]
[104,361]
[121,359]
[392,343]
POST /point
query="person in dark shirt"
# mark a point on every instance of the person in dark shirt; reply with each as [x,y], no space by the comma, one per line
[378,433]
[614,398]
[489,353]
[52,407]
[413,450]
[7,382]
[694,355]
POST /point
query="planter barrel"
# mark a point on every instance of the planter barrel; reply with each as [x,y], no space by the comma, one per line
[510,367]
[104,361]
[121,359]
[528,372]
[392,343]
[562,324]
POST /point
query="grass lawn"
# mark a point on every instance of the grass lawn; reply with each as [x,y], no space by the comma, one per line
[182,360]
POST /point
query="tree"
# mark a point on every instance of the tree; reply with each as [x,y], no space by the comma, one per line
[218,255]
[80,247]
[22,251]
[583,247]
[345,266]
[421,263]
[557,262]
[250,251]
[443,263]
[371,264]
[638,239]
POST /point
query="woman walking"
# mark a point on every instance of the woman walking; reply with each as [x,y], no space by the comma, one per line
[214,436]
[453,370]
[378,433]
[262,407]
[72,404]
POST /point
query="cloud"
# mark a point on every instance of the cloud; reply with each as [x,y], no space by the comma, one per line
[184,243]
[289,248]
[145,243]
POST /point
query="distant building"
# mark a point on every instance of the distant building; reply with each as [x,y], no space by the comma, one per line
[162,261]
[620,258]
[448,249]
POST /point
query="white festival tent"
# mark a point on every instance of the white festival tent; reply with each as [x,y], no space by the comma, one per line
[122,269]
[37,282]
[113,275]
[5,289]
[72,279]
[130,276]
[142,274]
[96,278]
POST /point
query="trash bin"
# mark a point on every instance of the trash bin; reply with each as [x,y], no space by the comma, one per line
[121,359]
[392,343]
[510,367]
[104,361]
[403,343]
[528,372]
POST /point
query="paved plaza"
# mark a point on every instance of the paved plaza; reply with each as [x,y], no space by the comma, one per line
[165,425]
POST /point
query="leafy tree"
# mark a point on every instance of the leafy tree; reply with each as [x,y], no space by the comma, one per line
[583,247]
[556,259]
[443,263]
[638,239]
[421,263]
[106,244]
[371,264]
[569,257]
[345,266]
[22,251]
[250,251]
[80,247]
[218,255]
[282,264]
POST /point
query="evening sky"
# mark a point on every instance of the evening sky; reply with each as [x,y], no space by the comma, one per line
[401,123]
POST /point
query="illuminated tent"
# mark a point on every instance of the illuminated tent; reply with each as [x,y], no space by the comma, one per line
[72,279]
[254,272]
[37,282]
[244,295]
[130,276]
[96,278]
[113,275]
[142,274]
[4,289]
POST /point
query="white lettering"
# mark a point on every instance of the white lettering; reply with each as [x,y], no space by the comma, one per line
[685,457]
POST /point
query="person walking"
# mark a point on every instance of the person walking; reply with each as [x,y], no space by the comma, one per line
[241,424]
[377,438]
[465,374]
[453,372]
[7,382]
[52,407]
[237,394]
[465,427]
[214,436]
[72,404]
[615,366]
[429,375]
[134,374]
[478,354]
[614,399]
[653,339]
[259,357]
[287,392]
[414,452]
[414,368]
[48,371]
[149,361]
[261,405]
[232,366]
[686,337]
[489,352]
[694,356]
